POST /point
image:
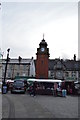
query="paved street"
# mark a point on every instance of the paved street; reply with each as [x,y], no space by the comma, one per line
[41,106]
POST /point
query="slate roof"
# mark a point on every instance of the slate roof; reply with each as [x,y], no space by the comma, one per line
[52,62]
[69,64]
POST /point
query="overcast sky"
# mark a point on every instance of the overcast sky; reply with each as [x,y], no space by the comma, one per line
[23,25]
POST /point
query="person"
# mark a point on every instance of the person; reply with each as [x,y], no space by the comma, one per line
[34,88]
[8,84]
[63,85]
[31,90]
[55,89]
[68,89]
[73,88]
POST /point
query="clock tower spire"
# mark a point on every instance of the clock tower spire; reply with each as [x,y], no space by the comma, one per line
[42,57]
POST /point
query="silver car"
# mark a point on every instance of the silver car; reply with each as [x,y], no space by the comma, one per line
[18,87]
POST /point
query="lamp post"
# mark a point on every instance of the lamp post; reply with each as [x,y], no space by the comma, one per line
[7,60]
[4,86]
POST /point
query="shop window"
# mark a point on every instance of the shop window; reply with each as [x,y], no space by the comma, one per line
[73,74]
[9,74]
[67,74]
[17,74]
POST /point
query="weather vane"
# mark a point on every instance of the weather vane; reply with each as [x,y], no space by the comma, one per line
[43,36]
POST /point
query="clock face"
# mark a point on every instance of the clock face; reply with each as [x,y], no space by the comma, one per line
[42,49]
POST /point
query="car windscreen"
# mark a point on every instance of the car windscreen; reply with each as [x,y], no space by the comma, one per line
[20,84]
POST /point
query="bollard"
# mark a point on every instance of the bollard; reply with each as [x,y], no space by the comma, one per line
[64,93]
[4,89]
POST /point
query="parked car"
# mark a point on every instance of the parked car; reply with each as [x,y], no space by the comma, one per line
[18,87]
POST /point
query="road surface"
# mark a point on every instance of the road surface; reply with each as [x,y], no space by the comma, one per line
[40,106]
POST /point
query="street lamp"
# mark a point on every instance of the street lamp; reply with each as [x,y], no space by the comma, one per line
[4,86]
[7,60]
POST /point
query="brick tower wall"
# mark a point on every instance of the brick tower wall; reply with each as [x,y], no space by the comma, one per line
[42,66]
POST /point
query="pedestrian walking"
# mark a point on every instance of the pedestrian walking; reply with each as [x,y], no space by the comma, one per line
[31,90]
[8,86]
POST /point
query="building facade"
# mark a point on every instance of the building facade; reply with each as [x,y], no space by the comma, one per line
[64,69]
[15,68]
[57,69]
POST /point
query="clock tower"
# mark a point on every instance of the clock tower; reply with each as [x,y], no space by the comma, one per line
[42,57]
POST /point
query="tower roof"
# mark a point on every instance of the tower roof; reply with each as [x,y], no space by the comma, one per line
[43,42]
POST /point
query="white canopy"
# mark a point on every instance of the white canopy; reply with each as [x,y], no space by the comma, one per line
[45,80]
[10,81]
